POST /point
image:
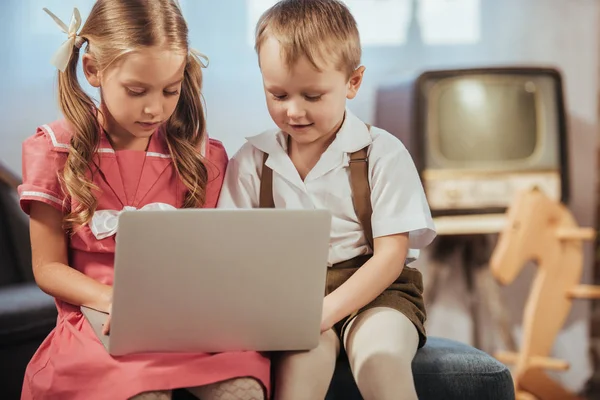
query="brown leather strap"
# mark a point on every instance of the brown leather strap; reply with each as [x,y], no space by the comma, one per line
[361,191]
[359,180]
[266,185]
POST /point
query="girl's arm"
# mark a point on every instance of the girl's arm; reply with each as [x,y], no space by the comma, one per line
[50,263]
[369,281]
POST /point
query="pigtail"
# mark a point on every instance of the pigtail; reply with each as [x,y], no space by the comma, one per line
[80,111]
[186,131]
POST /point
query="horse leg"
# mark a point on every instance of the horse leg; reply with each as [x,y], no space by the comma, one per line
[540,385]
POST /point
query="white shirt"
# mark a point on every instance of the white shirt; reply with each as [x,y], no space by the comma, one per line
[397,197]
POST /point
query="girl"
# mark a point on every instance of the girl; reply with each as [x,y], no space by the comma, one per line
[144,145]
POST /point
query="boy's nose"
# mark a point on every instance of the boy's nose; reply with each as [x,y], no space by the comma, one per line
[295,111]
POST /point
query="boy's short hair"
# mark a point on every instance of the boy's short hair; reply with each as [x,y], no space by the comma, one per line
[322,30]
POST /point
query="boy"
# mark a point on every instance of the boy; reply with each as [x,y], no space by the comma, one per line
[322,156]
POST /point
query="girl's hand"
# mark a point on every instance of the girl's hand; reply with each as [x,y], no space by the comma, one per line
[107,307]
[106,327]
[105,302]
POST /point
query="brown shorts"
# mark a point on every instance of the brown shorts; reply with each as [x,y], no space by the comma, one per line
[404,295]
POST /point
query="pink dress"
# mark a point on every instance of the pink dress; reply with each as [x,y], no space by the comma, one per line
[71,363]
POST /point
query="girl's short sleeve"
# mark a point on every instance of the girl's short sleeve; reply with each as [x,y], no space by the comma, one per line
[42,165]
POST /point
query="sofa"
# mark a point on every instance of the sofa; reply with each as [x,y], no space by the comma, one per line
[443,369]
[27,314]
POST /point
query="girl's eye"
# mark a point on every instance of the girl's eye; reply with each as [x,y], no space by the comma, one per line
[134,92]
[171,93]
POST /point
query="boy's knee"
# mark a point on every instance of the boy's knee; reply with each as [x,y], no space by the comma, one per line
[381,359]
[326,351]
[381,334]
[329,342]
[307,374]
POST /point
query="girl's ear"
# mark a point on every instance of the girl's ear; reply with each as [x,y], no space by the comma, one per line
[91,71]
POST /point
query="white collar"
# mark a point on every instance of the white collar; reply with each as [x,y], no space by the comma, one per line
[352,136]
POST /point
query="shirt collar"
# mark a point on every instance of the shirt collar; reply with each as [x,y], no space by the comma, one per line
[352,136]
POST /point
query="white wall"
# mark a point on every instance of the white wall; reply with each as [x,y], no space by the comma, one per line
[562,33]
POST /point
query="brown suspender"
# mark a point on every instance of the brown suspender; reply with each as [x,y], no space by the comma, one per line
[359,180]
[266,185]
[361,191]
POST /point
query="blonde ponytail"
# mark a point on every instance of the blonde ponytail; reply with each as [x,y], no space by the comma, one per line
[79,109]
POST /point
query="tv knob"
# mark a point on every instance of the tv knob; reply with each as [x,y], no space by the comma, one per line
[453,194]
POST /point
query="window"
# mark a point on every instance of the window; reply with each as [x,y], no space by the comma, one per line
[388,22]
[447,22]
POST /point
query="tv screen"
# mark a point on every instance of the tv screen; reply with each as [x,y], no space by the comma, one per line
[491,121]
[483,120]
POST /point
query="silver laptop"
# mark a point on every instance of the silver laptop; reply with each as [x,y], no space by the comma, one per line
[214,280]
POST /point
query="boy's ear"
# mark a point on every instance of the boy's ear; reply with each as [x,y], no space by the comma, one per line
[91,71]
[354,82]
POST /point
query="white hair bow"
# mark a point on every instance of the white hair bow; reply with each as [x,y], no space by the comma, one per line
[200,57]
[61,57]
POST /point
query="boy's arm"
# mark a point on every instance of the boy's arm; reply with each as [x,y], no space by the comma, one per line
[369,281]
[401,220]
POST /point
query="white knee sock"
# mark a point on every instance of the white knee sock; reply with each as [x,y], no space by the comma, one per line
[381,344]
[306,375]
[233,389]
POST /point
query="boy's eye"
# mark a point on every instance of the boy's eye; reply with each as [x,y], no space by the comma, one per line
[279,96]
[313,98]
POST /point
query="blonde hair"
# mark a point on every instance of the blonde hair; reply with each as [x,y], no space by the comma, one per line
[113,29]
[321,30]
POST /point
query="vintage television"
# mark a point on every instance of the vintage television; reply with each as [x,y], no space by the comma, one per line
[479,135]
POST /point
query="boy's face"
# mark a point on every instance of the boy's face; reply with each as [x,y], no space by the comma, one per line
[307,104]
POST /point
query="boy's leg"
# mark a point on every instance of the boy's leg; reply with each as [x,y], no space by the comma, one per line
[381,344]
[306,375]
[158,395]
[232,389]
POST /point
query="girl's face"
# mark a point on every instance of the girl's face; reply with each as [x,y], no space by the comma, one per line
[139,93]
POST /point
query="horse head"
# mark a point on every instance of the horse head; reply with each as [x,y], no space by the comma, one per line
[523,238]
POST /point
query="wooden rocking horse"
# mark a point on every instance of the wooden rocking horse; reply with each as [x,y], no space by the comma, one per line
[542,230]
